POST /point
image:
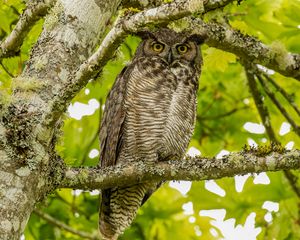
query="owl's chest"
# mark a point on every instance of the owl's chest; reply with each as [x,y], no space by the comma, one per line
[149,91]
[159,111]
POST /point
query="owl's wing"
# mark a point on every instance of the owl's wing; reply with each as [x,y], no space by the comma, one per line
[111,130]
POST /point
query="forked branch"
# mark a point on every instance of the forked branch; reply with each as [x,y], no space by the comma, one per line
[34,11]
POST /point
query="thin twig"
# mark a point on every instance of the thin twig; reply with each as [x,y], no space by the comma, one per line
[262,109]
[64,226]
[129,50]
[293,180]
[291,177]
[283,92]
[96,134]
[72,207]
[6,70]
[271,95]
[264,114]
[222,115]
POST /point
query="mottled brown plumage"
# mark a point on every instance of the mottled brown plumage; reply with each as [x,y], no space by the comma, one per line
[149,115]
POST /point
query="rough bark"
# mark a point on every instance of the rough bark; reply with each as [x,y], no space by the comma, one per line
[70,34]
[249,48]
[193,169]
[60,65]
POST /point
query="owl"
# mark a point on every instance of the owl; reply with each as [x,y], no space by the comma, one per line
[149,116]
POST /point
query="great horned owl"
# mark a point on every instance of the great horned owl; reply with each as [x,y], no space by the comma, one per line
[149,115]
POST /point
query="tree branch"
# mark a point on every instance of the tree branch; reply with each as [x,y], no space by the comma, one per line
[293,180]
[222,115]
[64,226]
[215,4]
[262,109]
[34,11]
[283,111]
[6,69]
[218,36]
[194,169]
[209,5]
[284,93]
[251,70]
[124,26]
[249,48]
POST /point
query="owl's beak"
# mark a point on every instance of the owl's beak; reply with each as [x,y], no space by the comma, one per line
[170,57]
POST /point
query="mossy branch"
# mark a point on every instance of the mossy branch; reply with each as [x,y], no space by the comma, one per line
[128,24]
[63,226]
[249,160]
[217,35]
[249,48]
[34,11]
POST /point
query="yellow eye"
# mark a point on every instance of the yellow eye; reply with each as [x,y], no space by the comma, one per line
[158,47]
[182,48]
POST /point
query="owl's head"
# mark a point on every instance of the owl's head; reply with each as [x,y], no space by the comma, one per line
[170,46]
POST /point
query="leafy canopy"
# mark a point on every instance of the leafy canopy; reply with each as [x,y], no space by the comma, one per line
[224,106]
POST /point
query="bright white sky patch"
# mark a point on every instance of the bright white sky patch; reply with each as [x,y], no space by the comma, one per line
[254,127]
[78,110]
[271,206]
[268,217]
[266,70]
[197,231]
[217,214]
[246,232]
[251,142]
[285,128]
[23,236]
[222,153]
[246,101]
[94,192]
[261,178]
[188,208]
[289,145]
[87,91]
[240,182]
[263,140]
[192,219]
[226,227]
[213,187]
[182,186]
[93,153]
[214,232]
[76,192]
[193,152]
[94,103]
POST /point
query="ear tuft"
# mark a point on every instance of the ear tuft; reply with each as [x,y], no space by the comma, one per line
[145,34]
[198,38]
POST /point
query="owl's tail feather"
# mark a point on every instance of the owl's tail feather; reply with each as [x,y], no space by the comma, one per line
[119,206]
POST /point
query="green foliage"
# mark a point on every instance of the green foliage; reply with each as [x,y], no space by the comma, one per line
[224,106]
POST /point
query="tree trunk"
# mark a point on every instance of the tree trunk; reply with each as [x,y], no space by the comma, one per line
[28,120]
